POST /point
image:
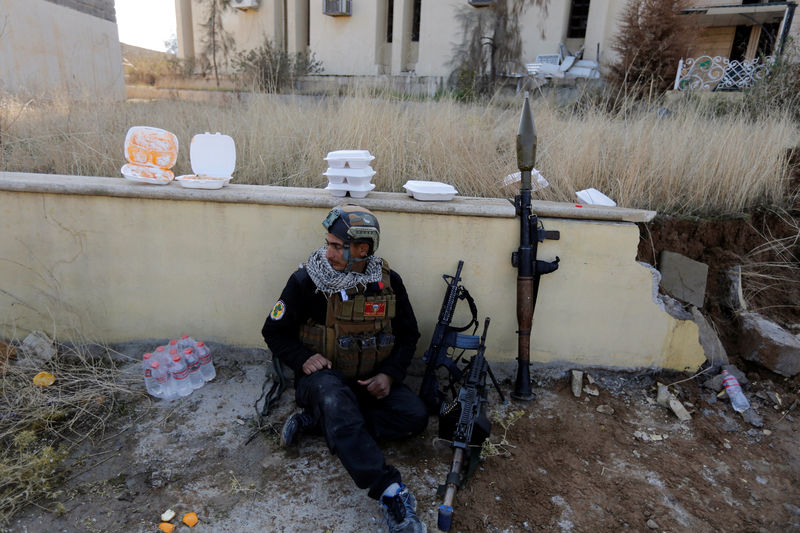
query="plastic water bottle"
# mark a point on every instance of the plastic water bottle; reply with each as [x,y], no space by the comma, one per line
[207,369]
[195,378]
[186,342]
[147,370]
[180,374]
[172,345]
[734,392]
[160,378]
[162,356]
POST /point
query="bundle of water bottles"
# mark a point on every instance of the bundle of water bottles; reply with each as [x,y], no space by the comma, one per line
[177,368]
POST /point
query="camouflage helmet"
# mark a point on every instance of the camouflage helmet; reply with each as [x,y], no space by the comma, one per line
[354,224]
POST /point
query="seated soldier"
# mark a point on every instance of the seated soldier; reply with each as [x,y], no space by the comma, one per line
[344,324]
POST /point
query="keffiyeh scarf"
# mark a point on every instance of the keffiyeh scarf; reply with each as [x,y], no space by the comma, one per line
[329,280]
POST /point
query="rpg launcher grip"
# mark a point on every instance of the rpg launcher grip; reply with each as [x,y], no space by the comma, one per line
[446,337]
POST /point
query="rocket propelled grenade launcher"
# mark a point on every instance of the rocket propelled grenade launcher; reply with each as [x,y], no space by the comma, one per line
[529,269]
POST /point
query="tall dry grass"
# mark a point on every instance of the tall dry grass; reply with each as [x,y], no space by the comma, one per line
[690,162]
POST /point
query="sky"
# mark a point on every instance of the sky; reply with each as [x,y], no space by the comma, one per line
[146,23]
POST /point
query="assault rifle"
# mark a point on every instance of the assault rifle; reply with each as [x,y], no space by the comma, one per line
[446,337]
[464,422]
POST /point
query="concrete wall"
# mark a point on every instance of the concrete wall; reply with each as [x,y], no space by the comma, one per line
[112,260]
[47,48]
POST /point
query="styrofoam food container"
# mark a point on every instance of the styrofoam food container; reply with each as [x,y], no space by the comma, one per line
[213,155]
[146,145]
[351,176]
[356,191]
[430,190]
[146,174]
[349,158]
[193,181]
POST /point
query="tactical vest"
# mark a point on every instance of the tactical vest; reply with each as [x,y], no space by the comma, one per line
[357,334]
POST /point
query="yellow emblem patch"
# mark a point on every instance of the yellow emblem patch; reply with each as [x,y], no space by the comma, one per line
[278,310]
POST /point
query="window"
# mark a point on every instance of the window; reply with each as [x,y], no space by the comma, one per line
[389,20]
[578,17]
[415,21]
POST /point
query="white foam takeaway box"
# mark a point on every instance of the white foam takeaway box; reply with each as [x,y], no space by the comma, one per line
[430,190]
[213,158]
[349,158]
[351,176]
[592,196]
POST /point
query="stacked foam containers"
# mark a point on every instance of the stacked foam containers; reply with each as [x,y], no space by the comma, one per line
[349,172]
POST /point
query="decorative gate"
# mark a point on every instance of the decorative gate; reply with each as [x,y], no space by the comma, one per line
[720,73]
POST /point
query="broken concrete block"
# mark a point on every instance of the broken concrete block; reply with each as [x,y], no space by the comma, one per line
[577,383]
[593,391]
[769,345]
[605,409]
[683,278]
[709,340]
[679,410]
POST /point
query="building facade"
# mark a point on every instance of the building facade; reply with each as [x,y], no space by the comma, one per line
[60,47]
[418,37]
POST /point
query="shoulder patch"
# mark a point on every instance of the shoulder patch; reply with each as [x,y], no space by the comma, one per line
[278,310]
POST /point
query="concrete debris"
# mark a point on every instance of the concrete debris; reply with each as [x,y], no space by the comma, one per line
[590,379]
[770,345]
[593,391]
[605,409]
[709,340]
[663,396]
[652,524]
[774,397]
[767,432]
[754,419]
[577,383]
[679,410]
[648,437]
[37,345]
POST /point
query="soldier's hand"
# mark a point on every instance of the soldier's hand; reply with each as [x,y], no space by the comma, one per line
[314,363]
[378,386]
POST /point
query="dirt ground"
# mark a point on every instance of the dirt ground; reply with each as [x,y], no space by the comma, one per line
[566,466]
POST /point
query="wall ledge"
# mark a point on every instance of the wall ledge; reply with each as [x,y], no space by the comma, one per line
[305,197]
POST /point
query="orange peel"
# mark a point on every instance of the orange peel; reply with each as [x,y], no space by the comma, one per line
[190,519]
[166,527]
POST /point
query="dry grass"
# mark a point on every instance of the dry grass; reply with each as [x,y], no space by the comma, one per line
[771,272]
[40,426]
[688,163]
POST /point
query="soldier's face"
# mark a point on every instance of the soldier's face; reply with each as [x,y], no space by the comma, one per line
[334,252]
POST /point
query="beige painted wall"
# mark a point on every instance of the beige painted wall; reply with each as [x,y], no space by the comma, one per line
[50,49]
[118,261]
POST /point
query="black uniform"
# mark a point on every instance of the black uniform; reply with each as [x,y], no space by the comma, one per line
[350,418]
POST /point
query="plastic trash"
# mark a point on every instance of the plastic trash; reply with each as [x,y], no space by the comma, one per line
[592,196]
[734,391]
